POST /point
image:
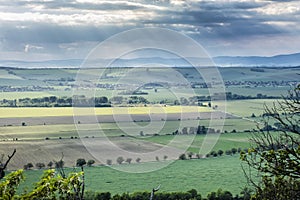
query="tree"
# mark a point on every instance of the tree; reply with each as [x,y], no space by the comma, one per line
[198,156]
[277,156]
[233,150]
[190,155]
[50,164]
[182,157]
[228,152]
[165,157]
[90,163]
[224,195]
[220,152]
[138,160]
[214,154]
[109,162]
[120,160]
[59,166]
[128,160]
[156,158]
[184,131]
[80,162]
[28,166]
[40,165]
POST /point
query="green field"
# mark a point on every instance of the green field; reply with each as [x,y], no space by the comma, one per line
[245,108]
[225,141]
[204,175]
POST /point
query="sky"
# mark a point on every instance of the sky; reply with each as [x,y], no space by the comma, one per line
[36,30]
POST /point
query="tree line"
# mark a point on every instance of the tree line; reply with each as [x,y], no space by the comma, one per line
[103,101]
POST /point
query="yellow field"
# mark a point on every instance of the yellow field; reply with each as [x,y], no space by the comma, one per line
[69,111]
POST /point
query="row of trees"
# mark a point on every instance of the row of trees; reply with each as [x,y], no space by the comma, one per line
[191,155]
[78,100]
[81,100]
[79,163]
[189,195]
[200,130]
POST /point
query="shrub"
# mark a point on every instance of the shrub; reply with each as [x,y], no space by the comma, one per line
[109,162]
[182,157]
[40,165]
[120,160]
[128,160]
[90,163]
[80,162]
[220,152]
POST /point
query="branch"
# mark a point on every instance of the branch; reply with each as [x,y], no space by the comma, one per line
[153,191]
[2,168]
[83,185]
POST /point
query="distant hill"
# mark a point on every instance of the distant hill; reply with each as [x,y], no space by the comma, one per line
[222,61]
[276,61]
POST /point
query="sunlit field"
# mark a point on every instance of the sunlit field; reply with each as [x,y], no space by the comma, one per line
[69,111]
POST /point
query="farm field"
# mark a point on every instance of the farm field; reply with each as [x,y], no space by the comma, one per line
[59,82]
[113,129]
[204,175]
[65,139]
[245,108]
[69,111]
[42,134]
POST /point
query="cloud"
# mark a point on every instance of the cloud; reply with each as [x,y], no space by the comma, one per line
[57,25]
[29,47]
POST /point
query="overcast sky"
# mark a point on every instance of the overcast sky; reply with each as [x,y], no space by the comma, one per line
[64,29]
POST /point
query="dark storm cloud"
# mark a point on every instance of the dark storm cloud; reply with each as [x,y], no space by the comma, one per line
[52,33]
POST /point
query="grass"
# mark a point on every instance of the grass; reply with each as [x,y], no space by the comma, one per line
[204,175]
[69,111]
[224,141]
[112,129]
[245,108]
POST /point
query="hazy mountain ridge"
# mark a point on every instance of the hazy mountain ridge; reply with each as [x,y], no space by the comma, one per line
[278,60]
[287,60]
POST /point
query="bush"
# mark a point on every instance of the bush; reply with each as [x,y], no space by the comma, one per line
[120,160]
[220,152]
[28,166]
[228,152]
[182,157]
[214,154]
[80,162]
[233,150]
[109,162]
[40,165]
[128,160]
[90,163]
[190,155]
[50,164]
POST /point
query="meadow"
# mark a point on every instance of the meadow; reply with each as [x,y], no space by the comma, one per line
[204,175]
